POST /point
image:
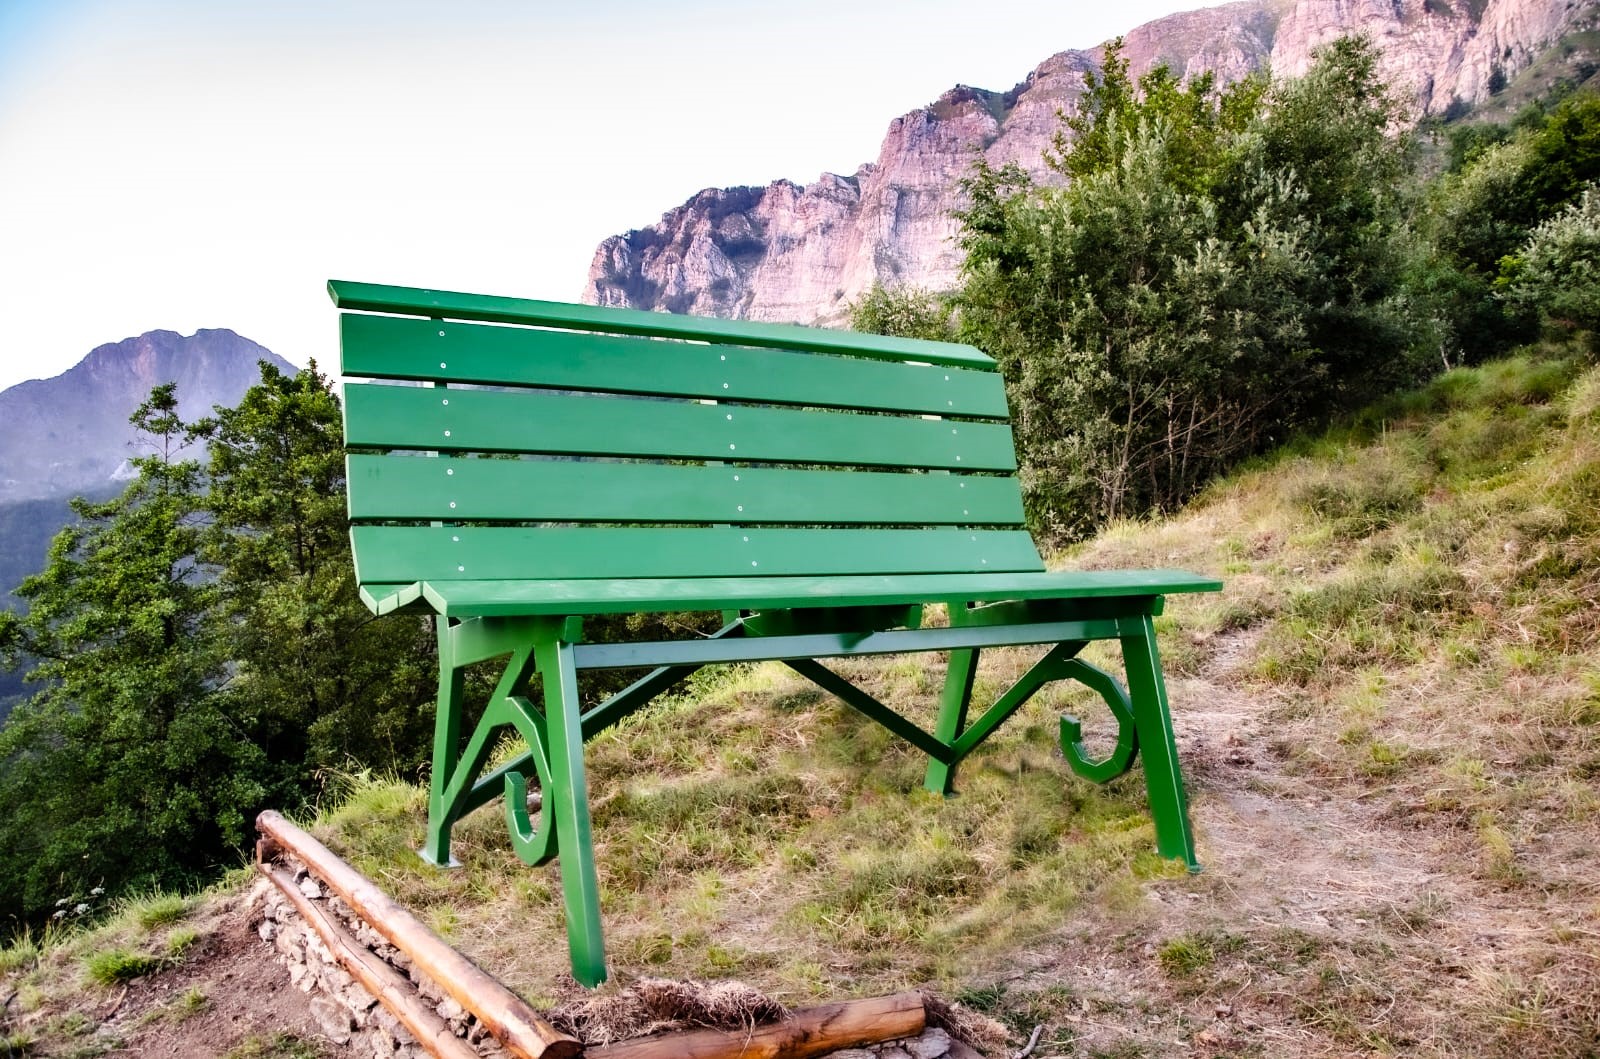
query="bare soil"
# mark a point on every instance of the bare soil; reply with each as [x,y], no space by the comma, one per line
[249,1001]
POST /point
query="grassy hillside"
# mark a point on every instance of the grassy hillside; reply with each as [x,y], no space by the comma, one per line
[1390,723]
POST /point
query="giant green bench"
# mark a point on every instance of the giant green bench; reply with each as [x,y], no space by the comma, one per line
[516,466]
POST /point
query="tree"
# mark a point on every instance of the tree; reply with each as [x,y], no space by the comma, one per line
[1208,279]
[125,769]
[908,312]
[1556,274]
[1486,211]
[318,681]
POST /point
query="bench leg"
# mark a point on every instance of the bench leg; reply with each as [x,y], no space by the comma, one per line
[1169,806]
[957,695]
[446,751]
[568,802]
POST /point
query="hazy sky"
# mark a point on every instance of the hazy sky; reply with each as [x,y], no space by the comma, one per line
[211,163]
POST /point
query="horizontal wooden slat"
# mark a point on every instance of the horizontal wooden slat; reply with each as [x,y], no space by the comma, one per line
[414,417]
[392,347]
[456,489]
[619,596]
[391,554]
[413,301]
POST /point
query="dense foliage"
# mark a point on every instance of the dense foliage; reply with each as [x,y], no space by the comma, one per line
[1212,271]
[201,653]
[1218,269]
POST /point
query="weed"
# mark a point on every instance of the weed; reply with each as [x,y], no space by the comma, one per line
[20,953]
[278,1046]
[115,966]
[1188,953]
[155,909]
[17,1043]
[179,942]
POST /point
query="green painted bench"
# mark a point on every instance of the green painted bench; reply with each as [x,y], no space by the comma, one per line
[819,488]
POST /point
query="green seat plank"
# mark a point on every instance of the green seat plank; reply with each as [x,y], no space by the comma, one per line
[393,554]
[392,347]
[544,490]
[453,305]
[459,599]
[413,417]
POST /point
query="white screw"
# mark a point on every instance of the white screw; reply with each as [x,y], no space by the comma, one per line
[461,569]
[754,563]
[452,504]
[441,334]
[741,507]
[442,364]
[456,538]
[730,415]
[723,357]
[730,448]
[736,477]
[747,540]
[724,386]
[449,470]
[958,459]
[447,433]
[445,401]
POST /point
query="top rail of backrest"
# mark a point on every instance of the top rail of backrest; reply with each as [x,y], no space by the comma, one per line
[483,308]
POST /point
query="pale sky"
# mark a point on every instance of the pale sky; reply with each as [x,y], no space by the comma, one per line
[211,163]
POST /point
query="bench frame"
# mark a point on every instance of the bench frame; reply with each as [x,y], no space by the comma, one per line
[545,643]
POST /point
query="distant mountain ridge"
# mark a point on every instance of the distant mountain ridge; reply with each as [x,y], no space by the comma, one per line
[787,252]
[70,434]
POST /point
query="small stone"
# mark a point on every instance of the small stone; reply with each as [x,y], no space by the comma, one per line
[309,887]
[933,1044]
[894,1051]
[267,930]
[388,1023]
[334,1020]
[357,998]
[853,1053]
[449,1010]
[1224,1010]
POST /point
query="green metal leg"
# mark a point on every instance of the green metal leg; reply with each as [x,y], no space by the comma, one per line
[446,750]
[1168,804]
[957,695]
[567,800]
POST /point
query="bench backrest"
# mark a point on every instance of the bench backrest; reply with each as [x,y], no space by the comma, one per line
[553,441]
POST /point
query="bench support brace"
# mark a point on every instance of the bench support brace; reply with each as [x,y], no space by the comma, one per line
[543,647]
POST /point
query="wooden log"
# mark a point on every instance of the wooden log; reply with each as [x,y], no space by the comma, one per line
[814,1031]
[517,1027]
[391,987]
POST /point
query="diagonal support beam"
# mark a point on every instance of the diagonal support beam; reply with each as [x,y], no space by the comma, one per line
[859,700]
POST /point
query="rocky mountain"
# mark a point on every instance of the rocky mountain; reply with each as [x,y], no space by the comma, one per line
[71,434]
[802,253]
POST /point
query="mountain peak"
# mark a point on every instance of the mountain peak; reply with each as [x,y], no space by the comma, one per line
[70,434]
[804,253]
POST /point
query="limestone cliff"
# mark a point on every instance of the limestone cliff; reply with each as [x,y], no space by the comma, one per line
[802,253]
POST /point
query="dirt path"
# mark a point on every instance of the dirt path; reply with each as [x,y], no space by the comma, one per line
[249,1007]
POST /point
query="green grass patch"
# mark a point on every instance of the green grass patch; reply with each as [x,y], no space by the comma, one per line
[117,966]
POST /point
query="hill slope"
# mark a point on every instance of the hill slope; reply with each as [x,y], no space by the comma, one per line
[1390,723]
